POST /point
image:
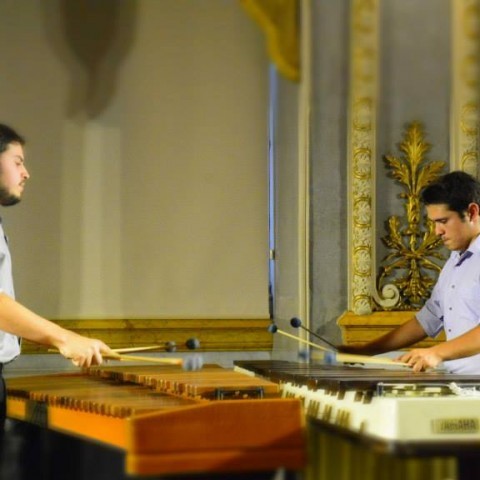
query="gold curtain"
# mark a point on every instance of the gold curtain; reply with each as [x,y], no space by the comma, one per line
[280,21]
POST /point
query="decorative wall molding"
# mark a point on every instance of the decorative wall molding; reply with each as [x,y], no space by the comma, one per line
[465,115]
[363,86]
[230,334]
[364,54]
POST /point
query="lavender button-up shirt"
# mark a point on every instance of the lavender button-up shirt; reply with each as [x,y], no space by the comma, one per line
[454,305]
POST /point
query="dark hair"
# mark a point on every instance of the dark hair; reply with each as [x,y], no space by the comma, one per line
[455,189]
[7,136]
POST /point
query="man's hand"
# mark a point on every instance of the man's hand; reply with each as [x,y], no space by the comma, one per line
[421,359]
[83,351]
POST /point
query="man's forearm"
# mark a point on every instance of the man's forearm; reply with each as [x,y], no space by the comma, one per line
[403,336]
[463,346]
[407,334]
[20,321]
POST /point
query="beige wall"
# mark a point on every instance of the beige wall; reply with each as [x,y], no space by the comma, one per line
[146,123]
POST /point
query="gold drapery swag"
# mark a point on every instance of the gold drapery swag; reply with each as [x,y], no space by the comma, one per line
[280,21]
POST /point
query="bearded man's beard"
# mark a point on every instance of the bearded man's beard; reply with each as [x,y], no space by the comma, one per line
[8,199]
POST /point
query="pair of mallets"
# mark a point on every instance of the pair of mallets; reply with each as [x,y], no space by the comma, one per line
[189,363]
[332,355]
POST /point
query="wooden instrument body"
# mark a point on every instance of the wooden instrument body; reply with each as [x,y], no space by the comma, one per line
[165,420]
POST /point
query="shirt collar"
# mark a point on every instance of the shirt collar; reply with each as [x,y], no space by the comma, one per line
[473,248]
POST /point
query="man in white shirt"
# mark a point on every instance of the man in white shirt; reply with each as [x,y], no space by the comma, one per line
[16,321]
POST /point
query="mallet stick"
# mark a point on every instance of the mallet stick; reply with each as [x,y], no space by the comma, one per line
[137,358]
[354,358]
[340,357]
[281,332]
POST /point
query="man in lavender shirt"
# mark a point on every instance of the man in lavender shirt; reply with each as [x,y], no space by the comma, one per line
[453,204]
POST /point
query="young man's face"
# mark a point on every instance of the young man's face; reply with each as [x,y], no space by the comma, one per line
[13,174]
[455,231]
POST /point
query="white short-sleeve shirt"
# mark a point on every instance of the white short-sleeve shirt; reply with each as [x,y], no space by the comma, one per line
[9,344]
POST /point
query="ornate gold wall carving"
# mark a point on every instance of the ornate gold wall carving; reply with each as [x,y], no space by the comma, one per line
[411,239]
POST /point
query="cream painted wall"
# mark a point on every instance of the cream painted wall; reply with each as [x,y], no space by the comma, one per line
[146,124]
